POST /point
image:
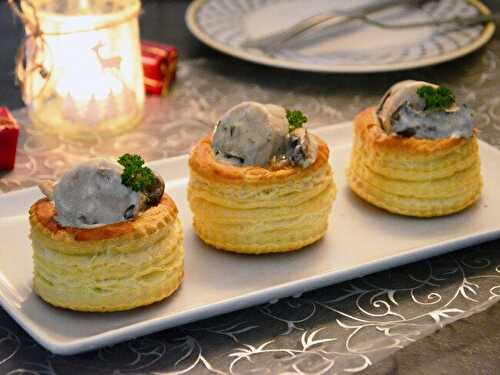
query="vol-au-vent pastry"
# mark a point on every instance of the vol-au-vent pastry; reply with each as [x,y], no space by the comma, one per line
[261,182]
[416,154]
[106,238]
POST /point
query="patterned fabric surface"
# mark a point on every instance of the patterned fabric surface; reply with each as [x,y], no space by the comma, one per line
[339,329]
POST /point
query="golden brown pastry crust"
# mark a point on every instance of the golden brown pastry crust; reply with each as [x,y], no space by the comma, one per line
[205,164]
[109,268]
[256,210]
[130,302]
[71,240]
[410,176]
[367,127]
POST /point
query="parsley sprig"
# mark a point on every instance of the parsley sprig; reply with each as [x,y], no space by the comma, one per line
[296,119]
[436,98]
[135,175]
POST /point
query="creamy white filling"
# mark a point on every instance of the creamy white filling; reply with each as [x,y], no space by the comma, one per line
[402,111]
[92,194]
[404,92]
[257,134]
[433,124]
[250,134]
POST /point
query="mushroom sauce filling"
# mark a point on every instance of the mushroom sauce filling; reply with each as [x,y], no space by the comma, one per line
[92,194]
[102,192]
[423,110]
[262,134]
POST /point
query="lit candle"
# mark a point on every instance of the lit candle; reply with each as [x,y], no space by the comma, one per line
[84,72]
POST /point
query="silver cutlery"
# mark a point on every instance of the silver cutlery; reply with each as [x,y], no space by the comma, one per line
[333,17]
[458,21]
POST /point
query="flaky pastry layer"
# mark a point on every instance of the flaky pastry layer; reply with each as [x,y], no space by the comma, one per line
[128,236]
[203,162]
[116,267]
[410,176]
[255,210]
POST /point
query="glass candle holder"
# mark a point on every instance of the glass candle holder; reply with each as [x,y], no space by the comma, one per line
[83,70]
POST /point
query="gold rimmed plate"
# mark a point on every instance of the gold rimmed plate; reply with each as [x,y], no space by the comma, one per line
[354,48]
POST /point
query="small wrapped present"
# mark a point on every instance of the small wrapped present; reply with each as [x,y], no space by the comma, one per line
[159,62]
[9,134]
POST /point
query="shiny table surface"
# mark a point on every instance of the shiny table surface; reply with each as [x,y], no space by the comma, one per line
[292,327]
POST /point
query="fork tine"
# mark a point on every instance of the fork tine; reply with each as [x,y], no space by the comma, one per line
[282,37]
[459,21]
[290,33]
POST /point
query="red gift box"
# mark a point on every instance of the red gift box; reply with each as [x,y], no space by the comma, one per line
[159,62]
[9,134]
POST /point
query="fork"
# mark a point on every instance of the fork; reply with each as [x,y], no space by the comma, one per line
[331,16]
[458,21]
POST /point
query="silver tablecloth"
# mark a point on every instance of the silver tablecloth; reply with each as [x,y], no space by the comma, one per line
[339,329]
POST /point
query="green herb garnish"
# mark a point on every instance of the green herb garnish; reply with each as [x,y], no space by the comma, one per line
[296,119]
[440,98]
[135,175]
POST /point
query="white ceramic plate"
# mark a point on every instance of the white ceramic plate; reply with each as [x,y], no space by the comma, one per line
[217,282]
[226,24]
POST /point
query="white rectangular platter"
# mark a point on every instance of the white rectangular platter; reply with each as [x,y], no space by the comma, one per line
[361,240]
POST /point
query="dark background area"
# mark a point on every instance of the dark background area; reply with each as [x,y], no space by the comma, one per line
[162,20]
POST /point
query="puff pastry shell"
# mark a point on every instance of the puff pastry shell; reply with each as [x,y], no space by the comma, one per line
[257,210]
[114,267]
[410,176]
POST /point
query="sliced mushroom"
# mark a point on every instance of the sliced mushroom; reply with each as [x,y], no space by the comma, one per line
[129,212]
[301,149]
[250,134]
[404,92]
[155,193]
[47,188]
